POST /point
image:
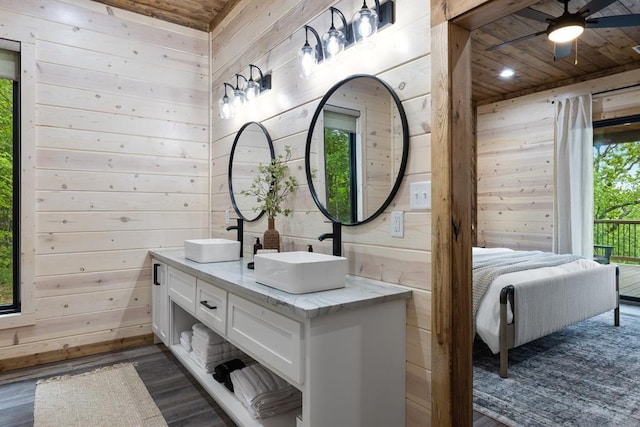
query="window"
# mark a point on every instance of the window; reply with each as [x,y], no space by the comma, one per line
[616,197]
[342,163]
[10,295]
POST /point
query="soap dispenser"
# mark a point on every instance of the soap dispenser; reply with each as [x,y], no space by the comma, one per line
[257,246]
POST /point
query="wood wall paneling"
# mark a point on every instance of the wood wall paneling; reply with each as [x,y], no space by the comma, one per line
[515,193]
[120,165]
[402,59]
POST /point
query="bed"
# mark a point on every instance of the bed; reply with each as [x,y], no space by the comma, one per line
[520,296]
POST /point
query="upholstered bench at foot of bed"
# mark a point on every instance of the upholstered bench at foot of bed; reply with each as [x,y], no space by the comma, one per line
[541,307]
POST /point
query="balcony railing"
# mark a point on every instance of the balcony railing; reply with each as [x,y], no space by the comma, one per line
[623,235]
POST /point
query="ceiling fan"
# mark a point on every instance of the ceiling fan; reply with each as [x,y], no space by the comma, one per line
[562,30]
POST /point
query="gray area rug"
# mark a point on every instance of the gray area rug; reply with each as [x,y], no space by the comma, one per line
[585,375]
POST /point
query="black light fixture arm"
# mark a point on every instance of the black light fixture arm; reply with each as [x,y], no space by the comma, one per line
[345,26]
[264,81]
[238,80]
[319,52]
[225,88]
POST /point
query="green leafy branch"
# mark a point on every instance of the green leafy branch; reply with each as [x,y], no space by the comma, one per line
[273,185]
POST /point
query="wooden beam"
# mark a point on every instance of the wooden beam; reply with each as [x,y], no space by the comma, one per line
[483,12]
[73,352]
[226,10]
[452,150]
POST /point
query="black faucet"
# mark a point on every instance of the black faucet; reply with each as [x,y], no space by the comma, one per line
[240,228]
[336,236]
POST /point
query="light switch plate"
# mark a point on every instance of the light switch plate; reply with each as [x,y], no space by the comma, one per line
[397,224]
[420,193]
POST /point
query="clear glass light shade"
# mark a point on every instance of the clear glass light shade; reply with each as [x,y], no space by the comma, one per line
[308,60]
[226,108]
[365,25]
[239,98]
[565,34]
[333,42]
[252,90]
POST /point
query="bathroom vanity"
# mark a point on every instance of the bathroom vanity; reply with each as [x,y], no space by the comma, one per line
[344,349]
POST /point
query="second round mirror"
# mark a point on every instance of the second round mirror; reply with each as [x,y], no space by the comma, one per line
[251,147]
[357,149]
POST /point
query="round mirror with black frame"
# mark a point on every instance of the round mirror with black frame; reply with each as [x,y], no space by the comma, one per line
[252,146]
[357,149]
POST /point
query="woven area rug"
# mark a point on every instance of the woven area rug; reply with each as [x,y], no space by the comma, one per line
[109,396]
[585,375]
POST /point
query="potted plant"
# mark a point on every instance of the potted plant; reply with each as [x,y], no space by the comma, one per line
[271,187]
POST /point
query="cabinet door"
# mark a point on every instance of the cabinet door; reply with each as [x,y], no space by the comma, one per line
[211,306]
[182,289]
[160,301]
[270,337]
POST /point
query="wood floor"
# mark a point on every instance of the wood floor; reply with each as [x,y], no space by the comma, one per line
[178,396]
[182,401]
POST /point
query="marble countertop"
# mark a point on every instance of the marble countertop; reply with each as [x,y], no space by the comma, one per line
[236,278]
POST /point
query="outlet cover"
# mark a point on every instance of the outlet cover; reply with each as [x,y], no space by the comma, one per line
[397,224]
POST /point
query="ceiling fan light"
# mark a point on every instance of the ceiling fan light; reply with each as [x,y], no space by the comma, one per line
[565,31]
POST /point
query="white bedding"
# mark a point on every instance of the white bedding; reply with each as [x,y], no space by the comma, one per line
[488,316]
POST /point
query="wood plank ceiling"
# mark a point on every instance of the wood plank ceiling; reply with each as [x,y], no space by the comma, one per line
[199,14]
[599,51]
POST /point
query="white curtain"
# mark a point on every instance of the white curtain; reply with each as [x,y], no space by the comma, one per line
[573,207]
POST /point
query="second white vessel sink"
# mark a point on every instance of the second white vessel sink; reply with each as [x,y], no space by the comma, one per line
[300,272]
[212,250]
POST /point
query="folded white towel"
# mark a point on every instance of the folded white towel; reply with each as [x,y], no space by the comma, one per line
[205,334]
[213,349]
[208,364]
[264,393]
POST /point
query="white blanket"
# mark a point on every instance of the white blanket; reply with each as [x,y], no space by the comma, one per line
[488,316]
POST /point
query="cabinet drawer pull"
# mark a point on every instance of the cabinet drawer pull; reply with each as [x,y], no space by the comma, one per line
[206,304]
[155,274]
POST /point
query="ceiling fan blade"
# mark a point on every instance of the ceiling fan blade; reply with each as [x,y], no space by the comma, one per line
[536,15]
[594,6]
[560,50]
[614,21]
[519,39]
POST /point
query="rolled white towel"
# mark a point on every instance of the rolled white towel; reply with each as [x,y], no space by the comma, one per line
[185,344]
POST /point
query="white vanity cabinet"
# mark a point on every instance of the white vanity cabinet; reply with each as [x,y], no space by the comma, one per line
[160,301]
[343,349]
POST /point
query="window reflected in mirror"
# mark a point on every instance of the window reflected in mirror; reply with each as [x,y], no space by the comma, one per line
[356,150]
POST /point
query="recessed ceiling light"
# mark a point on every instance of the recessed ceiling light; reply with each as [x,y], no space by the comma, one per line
[507,73]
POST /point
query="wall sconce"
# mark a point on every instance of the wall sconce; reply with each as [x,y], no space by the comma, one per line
[254,88]
[239,97]
[244,93]
[310,56]
[366,22]
[334,41]
[226,107]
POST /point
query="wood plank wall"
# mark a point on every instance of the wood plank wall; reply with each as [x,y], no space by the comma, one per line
[122,165]
[515,159]
[269,34]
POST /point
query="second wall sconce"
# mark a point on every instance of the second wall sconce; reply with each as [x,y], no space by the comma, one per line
[310,56]
[243,92]
[365,24]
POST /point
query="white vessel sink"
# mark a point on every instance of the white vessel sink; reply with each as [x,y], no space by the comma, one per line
[300,272]
[212,250]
